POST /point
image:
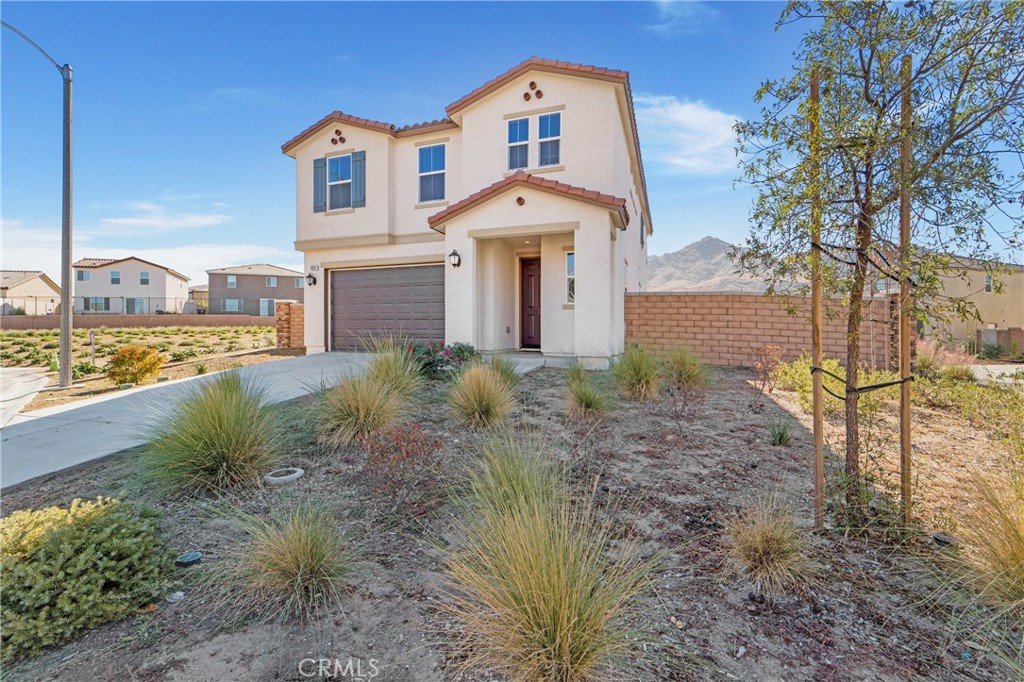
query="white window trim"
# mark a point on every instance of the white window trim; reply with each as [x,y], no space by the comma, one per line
[271,308]
[224,305]
[988,284]
[556,138]
[144,279]
[112,274]
[232,282]
[419,175]
[298,282]
[83,276]
[570,278]
[339,182]
[267,281]
[509,145]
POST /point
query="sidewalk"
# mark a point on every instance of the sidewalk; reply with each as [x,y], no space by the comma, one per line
[17,388]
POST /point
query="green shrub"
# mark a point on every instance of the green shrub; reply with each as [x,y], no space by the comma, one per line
[480,396]
[796,376]
[584,397]
[133,365]
[637,373]
[225,435]
[182,355]
[685,369]
[67,570]
[355,409]
[780,429]
[958,373]
[398,370]
[291,567]
[83,369]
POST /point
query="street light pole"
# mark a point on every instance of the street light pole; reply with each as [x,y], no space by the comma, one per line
[66,282]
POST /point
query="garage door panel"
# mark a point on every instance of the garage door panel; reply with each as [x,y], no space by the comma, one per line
[407,300]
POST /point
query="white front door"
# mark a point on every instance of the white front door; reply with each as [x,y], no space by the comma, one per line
[267,306]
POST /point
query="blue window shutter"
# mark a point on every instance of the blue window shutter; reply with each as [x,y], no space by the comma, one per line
[358,179]
[319,185]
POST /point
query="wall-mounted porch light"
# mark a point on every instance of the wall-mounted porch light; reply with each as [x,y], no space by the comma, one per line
[454,258]
[310,280]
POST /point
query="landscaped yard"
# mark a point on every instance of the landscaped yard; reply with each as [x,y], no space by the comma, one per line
[625,524]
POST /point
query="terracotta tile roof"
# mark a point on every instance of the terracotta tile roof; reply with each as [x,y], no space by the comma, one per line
[538,64]
[338,117]
[100,262]
[523,179]
[425,127]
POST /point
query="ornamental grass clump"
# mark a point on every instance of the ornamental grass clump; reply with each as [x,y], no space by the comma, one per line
[398,370]
[506,369]
[65,570]
[534,589]
[768,546]
[513,474]
[685,370]
[994,533]
[355,409]
[480,396]
[584,397]
[637,373]
[223,436]
[293,567]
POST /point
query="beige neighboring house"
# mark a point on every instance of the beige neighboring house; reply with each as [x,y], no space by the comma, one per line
[129,286]
[28,292]
[971,280]
[253,289]
[519,221]
[199,296]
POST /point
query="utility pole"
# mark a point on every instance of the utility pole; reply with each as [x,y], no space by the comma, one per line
[66,281]
[906,149]
[817,387]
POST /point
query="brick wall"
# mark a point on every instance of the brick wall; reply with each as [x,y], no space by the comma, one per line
[1011,339]
[290,326]
[727,329]
[127,321]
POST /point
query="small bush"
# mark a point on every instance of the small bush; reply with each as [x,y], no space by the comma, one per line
[506,369]
[584,397]
[223,436]
[402,464]
[66,570]
[83,369]
[438,360]
[200,368]
[480,396]
[796,376]
[133,365]
[355,409]
[780,428]
[535,591]
[637,373]
[958,373]
[685,369]
[399,371]
[294,566]
[182,355]
[768,546]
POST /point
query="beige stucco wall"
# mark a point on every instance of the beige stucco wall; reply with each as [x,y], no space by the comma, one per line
[35,297]
[1003,309]
[164,292]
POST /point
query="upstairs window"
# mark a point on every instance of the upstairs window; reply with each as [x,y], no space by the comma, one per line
[298,282]
[988,283]
[570,277]
[115,277]
[432,173]
[550,134]
[144,278]
[82,275]
[518,143]
[339,182]
[232,281]
[271,282]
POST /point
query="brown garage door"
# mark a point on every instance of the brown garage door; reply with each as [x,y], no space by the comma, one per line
[408,300]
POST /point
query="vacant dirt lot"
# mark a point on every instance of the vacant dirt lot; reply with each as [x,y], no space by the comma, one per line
[674,474]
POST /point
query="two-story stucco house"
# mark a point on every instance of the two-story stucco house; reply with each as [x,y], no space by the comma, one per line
[129,286]
[253,289]
[27,292]
[519,221]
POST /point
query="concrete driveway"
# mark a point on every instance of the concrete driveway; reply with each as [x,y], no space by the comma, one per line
[56,438]
[987,373]
[17,388]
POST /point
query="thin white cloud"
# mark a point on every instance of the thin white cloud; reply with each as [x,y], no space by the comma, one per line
[230,99]
[685,137]
[684,17]
[150,216]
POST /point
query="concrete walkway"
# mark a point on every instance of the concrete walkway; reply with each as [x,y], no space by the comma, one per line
[48,440]
[987,373]
[56,438]
[17,388]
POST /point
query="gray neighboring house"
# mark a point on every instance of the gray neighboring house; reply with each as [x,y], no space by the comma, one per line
[253,289]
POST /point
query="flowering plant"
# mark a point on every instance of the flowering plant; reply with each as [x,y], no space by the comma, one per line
[435,358]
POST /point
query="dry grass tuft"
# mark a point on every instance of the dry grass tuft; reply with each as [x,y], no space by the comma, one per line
[398,370]
[293,567]
[637,373]
[768,546]
[506,369]
[685,370]
[584,397]
[481,396]
[994,533]
[355,409]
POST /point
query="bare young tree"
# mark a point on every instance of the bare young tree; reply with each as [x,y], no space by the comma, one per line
[967,89]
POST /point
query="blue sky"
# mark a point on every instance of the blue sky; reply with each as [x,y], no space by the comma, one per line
[181,108]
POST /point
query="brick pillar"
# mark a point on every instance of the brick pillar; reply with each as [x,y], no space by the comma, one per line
[290,325]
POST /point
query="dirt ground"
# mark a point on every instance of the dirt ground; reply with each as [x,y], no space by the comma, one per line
[96,385]
[872,612]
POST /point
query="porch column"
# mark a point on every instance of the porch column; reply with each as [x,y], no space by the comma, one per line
[460,290]
[594,296]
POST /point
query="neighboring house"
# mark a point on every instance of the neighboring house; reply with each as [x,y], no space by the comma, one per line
[517,222]
[996,289]
[130,286]
[198,298]
[253,289]
[27,292]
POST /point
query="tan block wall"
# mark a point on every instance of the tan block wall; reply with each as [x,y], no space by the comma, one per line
[728,329]
[291,323]
[83,321]
[1011,339]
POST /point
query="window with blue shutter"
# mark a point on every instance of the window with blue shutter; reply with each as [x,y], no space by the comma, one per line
[319,185]
[358,179]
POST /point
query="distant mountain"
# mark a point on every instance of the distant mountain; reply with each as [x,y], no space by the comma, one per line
[701,266]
